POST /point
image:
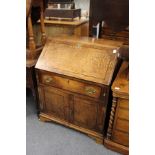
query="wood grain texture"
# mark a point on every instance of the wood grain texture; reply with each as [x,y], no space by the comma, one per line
[121,137]
[28,7]
[96,64]
[70,85]
[120,86]
[95,135]
[116,147]
[56,102]
[69,93]
[75,22]
[32,50]
[118,130]
[76,109]
[60,28]
[32,45]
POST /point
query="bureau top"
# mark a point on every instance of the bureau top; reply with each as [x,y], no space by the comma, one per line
[120,86]
[82,58]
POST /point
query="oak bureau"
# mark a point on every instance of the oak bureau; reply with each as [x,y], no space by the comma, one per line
[74,77]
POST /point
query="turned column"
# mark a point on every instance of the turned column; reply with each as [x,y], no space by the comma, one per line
[112,116]
[32,45]
[43,37]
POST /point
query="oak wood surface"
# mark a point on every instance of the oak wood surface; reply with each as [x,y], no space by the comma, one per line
[95,135]
[121,137]
[32,50]
[120,86]
[75,22]
[70,85]
[67,92]
[28,7]
[63,27]
[55,102]
[80,58]
[76,109]
[118,130]
[116,147]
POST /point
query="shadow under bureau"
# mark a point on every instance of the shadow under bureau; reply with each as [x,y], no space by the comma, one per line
[74,77]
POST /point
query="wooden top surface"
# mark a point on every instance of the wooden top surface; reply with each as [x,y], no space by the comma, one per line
[75,22]
[120,85]
[82,58]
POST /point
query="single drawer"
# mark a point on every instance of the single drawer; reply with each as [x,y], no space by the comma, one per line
[123,103]
[70,85]
[122,125]
[123,113]
[121,138]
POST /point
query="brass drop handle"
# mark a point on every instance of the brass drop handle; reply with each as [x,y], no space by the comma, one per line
[49,79]
[90,90]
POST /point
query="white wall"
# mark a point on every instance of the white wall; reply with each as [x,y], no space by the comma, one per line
[83,4]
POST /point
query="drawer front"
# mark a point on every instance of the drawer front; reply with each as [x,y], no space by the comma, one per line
[123,113]
[121,138]
[71,85]
[122,125]
[123,103]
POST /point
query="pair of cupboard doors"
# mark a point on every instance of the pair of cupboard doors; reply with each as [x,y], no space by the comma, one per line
[69,107]
[74,75]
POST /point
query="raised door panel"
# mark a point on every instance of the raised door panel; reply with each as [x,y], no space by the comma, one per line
[84,113]
[55,102]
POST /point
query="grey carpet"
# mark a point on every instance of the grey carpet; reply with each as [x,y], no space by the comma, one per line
[54,139]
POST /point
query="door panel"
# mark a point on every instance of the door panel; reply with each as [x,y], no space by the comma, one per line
[55,102]
[84,113]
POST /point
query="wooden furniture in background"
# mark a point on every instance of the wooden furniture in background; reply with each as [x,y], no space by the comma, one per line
[63,27]
[115,15]
[117,137]
[32,50]
[63,13]
[28,7]
[66,9]
[74,77]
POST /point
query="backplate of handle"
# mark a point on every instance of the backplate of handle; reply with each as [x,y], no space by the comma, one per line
[90,90]
[49,79]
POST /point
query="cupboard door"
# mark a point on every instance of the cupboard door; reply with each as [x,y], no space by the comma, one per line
[85,113]
[54,102]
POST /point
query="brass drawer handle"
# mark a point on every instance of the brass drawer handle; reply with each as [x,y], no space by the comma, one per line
[90,90]
[48,80]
